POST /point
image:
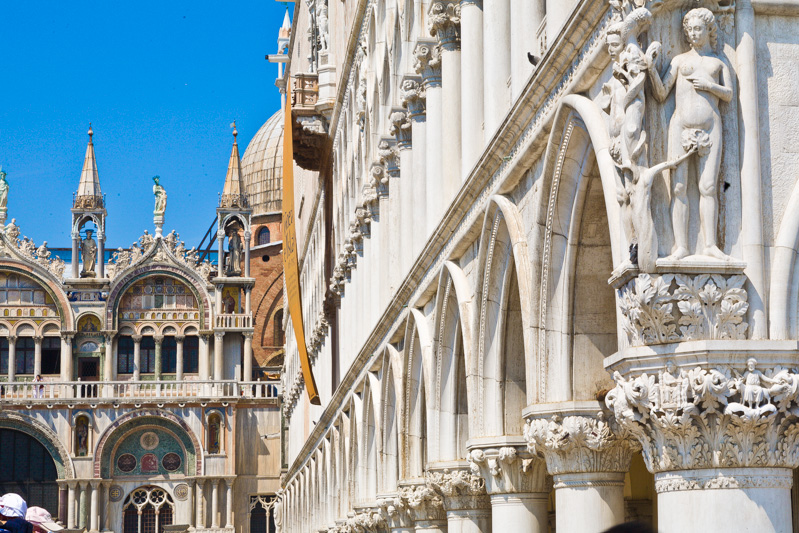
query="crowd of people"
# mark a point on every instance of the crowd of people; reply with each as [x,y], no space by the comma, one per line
[17,517]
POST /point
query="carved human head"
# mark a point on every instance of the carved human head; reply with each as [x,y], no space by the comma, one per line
[89,233]
[156,179]
[751,363]
[699,26]
[614,41]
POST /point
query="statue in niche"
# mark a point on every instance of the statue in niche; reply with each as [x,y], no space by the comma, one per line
[234,254]
[160,197]
[700,79]
[82,437]
[88,254]
[3,190]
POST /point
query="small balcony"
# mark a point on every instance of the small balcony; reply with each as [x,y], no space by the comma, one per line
[234,321]
[50,393]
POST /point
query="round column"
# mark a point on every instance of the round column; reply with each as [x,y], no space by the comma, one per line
[200,521]
[179,357]
[75,256]
[724,499]
[214,503]
[219,345]
[520,512]
[428,65]
[37,355]
[71,504]
[136,357]
[247,375]
[66,357]
[464,497]
[497,48]
[110,359]
[101,255]
[472,70]
[12,358]
[159,364]
[203,356]
[94,512]
[598,495]
[229,502]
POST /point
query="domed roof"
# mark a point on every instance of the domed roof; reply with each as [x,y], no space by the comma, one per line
[262,167]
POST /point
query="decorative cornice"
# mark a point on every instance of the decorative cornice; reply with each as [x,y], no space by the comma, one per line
[749,478]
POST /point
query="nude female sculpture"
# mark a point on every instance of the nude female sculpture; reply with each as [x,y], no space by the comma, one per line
[700,80]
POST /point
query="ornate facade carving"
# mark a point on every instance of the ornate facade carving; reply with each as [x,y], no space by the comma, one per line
[427,63]
[170,249]
[508,470]
[400,128]
[413,97]
[445,24]
[422,503]
[721,417]
[365,521]
[459,489]
[578,444]
[657,309]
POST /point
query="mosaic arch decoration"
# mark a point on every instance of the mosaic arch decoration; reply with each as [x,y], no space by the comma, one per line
[54,295]
[113,441]
[43,434]
[116,294]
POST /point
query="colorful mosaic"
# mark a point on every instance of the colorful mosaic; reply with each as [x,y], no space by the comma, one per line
[149,451]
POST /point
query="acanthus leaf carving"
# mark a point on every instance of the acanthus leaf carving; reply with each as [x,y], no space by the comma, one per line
[459,488]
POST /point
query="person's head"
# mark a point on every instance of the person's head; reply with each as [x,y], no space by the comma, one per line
[12,506]
[700,28]
[751,363]
[156,179]
[89,233]
[38,377]
[42,520]
[614,42]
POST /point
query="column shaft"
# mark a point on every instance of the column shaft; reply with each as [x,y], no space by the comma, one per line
[220,267]
[229,503]
[12,358]
[94,516]
[511,513]
[66,358]
[101,256]
[159,365]
[215,503]
[472,92]
[203,355]
[598,496]
[82,511]
[200,521]
[75,257]
[71,506]
[110,359]
[469,521]
[451,128]
[218,353]
[496,23]
[434,170]
[247,376]
[179,358]
[37,356]
[247,238]
[136,357]
[418,197]
[525,17]
[408,226]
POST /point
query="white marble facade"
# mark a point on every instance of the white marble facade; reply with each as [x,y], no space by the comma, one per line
[549,260]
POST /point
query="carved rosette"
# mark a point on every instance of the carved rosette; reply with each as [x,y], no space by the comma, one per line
[459,489]
[659,309]
[400,128]
[727,416]
[421,503]
[427,63]
[579,444]
[445,24]
[508,470]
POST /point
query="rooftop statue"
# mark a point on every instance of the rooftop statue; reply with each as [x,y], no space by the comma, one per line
[160,197]
[700,79]
[3,189]
[234,254]
[88,253]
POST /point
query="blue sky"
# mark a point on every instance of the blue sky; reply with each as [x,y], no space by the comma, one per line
[159,81]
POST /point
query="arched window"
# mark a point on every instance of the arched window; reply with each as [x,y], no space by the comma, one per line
[125,355]
[263,236]
[4,355]
[25,355]
[51,355]
[262,519]
[147,354]
[278,335]
[191,354]
[147,510]
[169,355]
[28,469]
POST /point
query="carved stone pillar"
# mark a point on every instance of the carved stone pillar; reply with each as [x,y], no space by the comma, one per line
[179,357]
[402,130]
[204,366]
[136,357]
[424,506]
[413,99]
[66,357]
[587,461]
[390,160]
[83,488]
[159,364]
[395,513]
[517,485]
[215,503]
[719,430]
[473,75]
[445,25]
[71,524]
[37,355]
[247,374]
[464,497]
[110,361]
[219,338]
[12,357]
[94,510]
[427,63]
[229,502]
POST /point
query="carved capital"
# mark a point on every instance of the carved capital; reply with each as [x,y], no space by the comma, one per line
[158,339]
[422,503]
[427,62]
[136,338]
[364,521]
[394,511]
[400,128]
[413,97]
[445,24]
[179,338]
[509,469]
[378,181]
[689,417]
[459,489]
[659,309]
[389,156]
[579,443]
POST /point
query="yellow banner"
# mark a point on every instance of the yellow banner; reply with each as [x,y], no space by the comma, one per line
[291,269]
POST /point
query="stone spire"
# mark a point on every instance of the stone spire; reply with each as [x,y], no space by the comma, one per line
[89,195]
[233,194]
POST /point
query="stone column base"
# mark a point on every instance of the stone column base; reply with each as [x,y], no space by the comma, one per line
[725,499]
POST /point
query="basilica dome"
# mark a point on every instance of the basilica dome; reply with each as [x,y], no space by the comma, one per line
[262,167]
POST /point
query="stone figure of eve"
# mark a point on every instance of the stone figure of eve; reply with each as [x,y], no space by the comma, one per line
[700,79]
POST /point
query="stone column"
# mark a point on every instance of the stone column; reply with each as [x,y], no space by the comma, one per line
[101,255]
[525,17]
[229,502]
[248,300]
[219,337]
[136,357]
[473,75]
[247,375]
[428,65]
[199,494]
[516,484]
[110,362]
[12,357]
[720,437]
[389,158]
[71,504]
[179,357]
[445,25]
[94,512]
[106,506]
[75,256]
[66,357]
[395,513]
[464,497]
[203,354]
[220,237]
[587,462]
[401,129]
[37,355]
[83,487]
[214,503]
[159,339]
[247,238]
[413,99]
[496,49]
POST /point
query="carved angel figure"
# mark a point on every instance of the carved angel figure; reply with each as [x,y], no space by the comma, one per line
[700,79]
